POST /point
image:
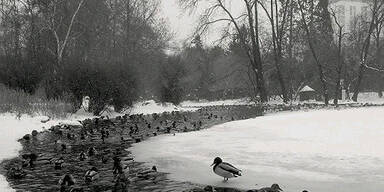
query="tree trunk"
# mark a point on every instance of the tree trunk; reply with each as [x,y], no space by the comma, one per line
[253,52]
[339,64]
[290,50]
[358,83]
[319,65]
[256,56]
[277,50]
[365,50]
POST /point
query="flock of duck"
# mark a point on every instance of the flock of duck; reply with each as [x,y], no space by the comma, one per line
[95,139]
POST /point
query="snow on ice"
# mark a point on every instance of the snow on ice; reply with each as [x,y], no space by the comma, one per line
[317,150]
[325,150]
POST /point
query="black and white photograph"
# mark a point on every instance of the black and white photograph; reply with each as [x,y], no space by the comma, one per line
[191,95]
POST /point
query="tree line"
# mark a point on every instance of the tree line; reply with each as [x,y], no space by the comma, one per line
[114,51]
[105,49]
[290,43]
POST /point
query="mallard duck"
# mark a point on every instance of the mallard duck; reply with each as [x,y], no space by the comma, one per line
[117,166]
[16,173]
[59,163]
[67,180]
[91,151]
[82,156]
[274,188]
[224,169]
[91,175]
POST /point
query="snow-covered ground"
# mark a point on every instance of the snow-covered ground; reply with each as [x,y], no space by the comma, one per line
[205,103]
[145,108]
[170,158]
[320,151]
[370,97]
[149,107]
[364,97]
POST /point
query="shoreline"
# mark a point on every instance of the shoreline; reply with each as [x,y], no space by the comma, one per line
[43,177]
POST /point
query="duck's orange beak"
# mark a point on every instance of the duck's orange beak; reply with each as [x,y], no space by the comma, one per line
[212,164]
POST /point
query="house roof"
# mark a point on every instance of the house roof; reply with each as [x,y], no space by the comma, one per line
[307,89]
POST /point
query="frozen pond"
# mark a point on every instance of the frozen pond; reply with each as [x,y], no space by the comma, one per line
[333,151]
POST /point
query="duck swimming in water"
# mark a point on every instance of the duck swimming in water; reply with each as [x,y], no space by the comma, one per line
[91,175]
[274,188]
[224,169]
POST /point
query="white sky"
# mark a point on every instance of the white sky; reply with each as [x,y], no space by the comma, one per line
[183,22]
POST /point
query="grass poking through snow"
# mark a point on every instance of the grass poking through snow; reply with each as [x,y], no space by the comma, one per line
[18,102]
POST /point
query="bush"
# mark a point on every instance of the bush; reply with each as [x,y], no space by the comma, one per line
[20,73]
[106,85]
[171,90]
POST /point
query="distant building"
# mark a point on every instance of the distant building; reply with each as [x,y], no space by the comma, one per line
[307,93]
[348,11]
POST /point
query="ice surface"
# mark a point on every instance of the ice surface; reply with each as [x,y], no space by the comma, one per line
[326,150]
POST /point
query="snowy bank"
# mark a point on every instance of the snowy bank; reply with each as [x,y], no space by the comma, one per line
[205,103]
[145,108]
[149,107]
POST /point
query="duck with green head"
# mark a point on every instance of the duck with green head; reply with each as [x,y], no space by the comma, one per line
[224,169]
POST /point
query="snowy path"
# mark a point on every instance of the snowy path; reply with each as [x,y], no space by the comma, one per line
[333,151]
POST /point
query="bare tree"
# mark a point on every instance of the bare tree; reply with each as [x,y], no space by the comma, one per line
[54,24]
[339,66]
[315,54]
[377,12]
[278,18]
[378,46]
[251,45]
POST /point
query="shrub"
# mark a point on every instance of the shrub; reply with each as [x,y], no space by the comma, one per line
[171,90]
[106,85]
[20,73]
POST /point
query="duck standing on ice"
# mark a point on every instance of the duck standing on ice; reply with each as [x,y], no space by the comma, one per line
[224,169]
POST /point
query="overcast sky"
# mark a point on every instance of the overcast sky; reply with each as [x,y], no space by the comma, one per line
[182,22]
